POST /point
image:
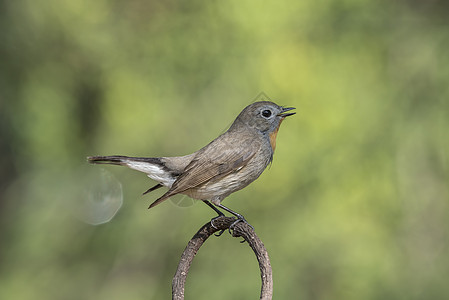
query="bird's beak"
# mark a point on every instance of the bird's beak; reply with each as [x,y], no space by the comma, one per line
[285,109]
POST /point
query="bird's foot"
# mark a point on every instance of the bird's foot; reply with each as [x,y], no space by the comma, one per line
[239,219]
[212,224]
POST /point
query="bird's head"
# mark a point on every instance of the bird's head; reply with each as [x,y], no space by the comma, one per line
[264,116]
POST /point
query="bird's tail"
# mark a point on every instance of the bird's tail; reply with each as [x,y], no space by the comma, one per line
[154,167]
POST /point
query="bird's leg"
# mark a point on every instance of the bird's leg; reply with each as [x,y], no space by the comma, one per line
[240,218]
[220,214]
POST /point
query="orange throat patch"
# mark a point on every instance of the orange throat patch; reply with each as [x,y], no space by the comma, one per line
[273,136]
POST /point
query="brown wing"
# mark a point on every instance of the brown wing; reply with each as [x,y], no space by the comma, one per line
[217,159]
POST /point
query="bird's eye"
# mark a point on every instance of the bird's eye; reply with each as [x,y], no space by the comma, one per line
[266,113]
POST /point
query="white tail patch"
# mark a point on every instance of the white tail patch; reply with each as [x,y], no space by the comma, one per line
[153,171]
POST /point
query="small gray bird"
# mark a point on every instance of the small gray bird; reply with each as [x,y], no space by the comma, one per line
[227,164]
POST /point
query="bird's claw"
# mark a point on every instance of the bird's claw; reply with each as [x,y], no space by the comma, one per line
[215,227]
[220,233]
[239,219]
[212,222]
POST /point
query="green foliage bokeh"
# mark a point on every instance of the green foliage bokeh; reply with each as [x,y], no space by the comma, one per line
[355,205]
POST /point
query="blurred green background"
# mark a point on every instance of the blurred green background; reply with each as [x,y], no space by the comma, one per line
[355,205]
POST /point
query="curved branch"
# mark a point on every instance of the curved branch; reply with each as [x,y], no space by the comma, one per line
[241,229]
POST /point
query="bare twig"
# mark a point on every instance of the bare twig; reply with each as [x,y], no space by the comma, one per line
[241,229]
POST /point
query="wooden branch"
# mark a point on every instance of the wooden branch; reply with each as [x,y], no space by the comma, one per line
[241,229]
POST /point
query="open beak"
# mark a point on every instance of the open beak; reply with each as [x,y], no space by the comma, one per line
[285,109]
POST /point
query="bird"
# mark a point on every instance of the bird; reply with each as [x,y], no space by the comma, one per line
[227,164]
